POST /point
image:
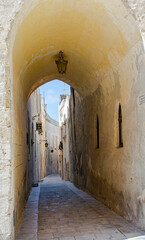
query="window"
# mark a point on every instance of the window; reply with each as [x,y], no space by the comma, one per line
[27,137]
[97,132]
[120,126]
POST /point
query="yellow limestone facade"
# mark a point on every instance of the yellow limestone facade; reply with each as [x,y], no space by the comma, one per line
[37,152]
[65,143]
[103,42]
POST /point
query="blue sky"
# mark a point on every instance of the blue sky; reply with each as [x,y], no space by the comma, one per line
[51,92]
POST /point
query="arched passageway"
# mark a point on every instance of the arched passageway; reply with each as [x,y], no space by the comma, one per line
[106,66]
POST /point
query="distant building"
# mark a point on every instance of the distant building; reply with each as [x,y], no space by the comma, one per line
[53,140]
[36,113]
[43,153]
[64,144]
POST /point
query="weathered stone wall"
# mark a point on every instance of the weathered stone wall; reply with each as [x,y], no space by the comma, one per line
[8,11]
[137,9]
[43,151]
[114,175]
[36,112]
[64,125]
[20,154]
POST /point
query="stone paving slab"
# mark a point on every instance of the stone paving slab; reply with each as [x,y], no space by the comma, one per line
[67,213]
[29,225]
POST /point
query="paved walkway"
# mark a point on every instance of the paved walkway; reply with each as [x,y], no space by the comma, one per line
[29,225]
[67,213]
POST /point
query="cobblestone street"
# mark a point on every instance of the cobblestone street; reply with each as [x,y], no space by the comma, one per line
[67,213]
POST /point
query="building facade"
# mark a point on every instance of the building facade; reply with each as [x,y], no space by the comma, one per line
[65,144]
[53,140]
[43,143]
[36,137]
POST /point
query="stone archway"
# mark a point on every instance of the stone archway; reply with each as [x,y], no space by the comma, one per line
[101,41]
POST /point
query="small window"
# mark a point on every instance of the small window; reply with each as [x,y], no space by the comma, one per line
[27,137]
[120,126]
[97,132]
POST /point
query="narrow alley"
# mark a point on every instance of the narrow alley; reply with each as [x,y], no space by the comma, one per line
[87,124]
[66,213]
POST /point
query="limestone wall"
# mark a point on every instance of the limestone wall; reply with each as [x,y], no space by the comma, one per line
[34,110]
[43,149]
[115,175]
[137,9]
[64,126]
[8,10]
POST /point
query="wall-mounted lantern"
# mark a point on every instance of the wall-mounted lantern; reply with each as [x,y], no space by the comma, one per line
[39,127]
[61,63]
[46,144]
